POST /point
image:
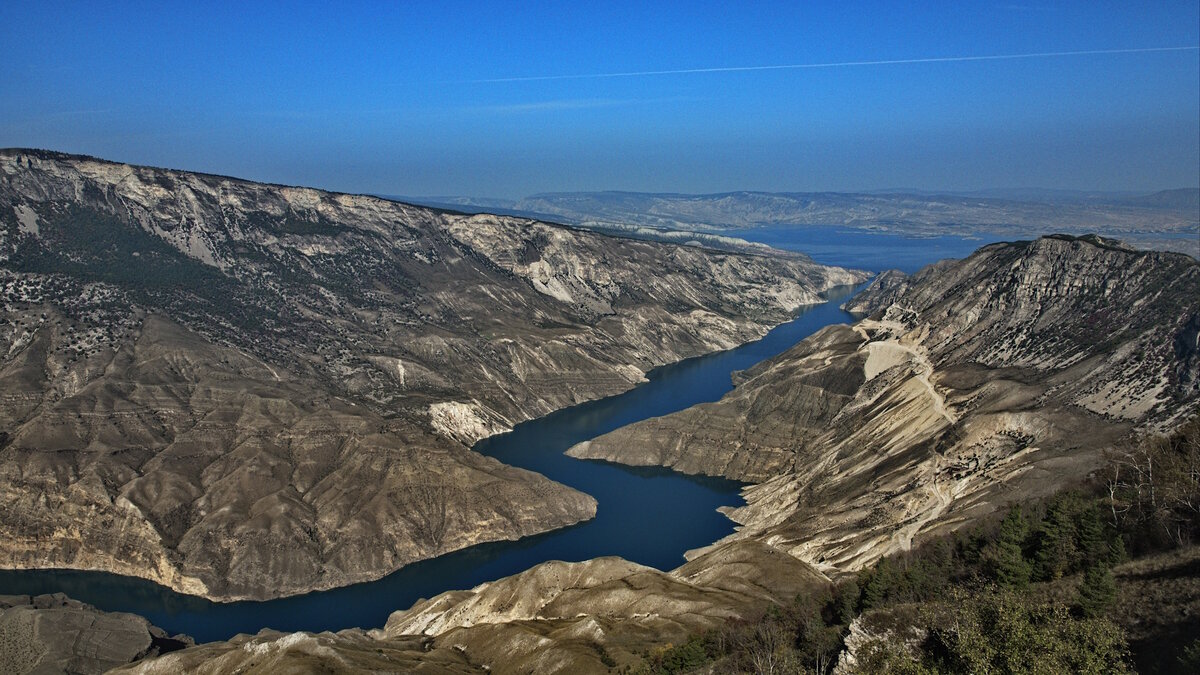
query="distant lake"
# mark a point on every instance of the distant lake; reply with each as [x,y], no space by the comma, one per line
[648,515]
[863,249]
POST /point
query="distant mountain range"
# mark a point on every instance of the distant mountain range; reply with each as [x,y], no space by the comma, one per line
[1169,219]
[1181,199]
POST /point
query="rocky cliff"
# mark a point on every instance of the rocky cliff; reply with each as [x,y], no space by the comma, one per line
[46,634]
[247,391]
[969,385]
[999,378]
[586,617]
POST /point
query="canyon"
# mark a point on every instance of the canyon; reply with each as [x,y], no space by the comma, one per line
[246,391]
[972,385]
[242,391]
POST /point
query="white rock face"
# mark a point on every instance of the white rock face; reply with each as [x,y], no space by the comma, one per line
[27,219]
[977,383]
[465,422]
[862,637]
[300,641]
[530,595]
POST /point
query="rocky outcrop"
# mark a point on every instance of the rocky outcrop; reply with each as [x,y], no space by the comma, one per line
[788,411]
[897,629]
[707,591]
[886,288]
[1000,378]
[584,617]
[47,634]
[247,391]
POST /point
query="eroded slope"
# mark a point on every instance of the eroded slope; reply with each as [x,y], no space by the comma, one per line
[999,378]
[246,391]
[582,617]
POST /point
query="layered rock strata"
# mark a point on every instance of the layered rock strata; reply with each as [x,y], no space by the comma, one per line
[242,390]
[1000,378]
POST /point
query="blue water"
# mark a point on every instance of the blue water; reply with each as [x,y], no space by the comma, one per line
[863,249]
[651,516]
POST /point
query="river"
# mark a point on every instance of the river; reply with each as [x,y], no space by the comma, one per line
[647,515]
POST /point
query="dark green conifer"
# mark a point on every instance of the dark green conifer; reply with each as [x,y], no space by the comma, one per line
[1097,591]
[1009,566]
[1096,541]
[1056,550]
[846,602]
[880,585]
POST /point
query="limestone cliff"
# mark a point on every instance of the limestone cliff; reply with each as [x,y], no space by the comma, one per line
[999,378]
[246,391]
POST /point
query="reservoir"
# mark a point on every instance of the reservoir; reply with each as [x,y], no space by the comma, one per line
[648,515]
[864,249]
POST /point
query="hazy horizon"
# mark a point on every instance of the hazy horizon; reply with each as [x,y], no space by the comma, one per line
[983,192]
[493,101]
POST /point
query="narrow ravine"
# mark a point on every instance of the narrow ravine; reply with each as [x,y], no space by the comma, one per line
[650,516]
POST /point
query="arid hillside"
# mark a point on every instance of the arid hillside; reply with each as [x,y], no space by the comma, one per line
[247,391]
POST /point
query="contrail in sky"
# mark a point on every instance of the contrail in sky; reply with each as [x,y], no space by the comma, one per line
[836,64]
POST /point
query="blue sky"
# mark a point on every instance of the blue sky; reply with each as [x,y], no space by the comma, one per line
[401,98]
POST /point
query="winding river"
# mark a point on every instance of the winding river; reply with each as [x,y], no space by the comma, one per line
[650,516]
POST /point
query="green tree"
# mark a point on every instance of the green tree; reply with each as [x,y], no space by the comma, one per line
[890,655]
[1189,658]
[845,602]
[1097,590]
[880,584]
[817,643]
[1097,542]
[1056,550]
[1008,564]
[670,659]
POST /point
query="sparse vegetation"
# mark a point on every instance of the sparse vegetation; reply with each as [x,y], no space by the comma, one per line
[990,599]
[1153,490]
[999,631]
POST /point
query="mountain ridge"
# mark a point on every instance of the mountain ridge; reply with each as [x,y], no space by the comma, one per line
[1161,220]
[961,377]
[863,440]
[251,383]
